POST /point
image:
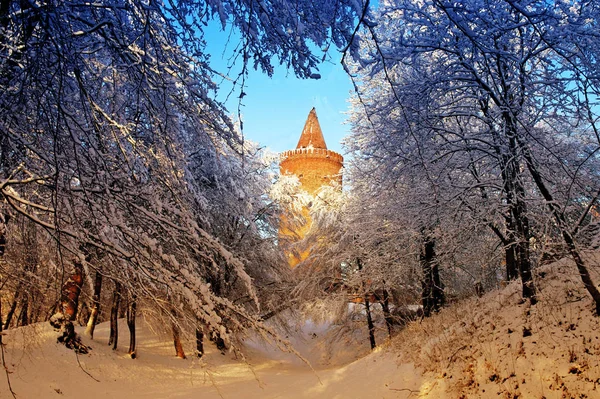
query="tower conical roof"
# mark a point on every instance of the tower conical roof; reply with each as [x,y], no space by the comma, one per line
[312,136]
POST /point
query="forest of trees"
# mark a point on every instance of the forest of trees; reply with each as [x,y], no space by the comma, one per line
[125,187]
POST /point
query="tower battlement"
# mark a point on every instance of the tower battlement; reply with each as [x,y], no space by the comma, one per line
[311,153]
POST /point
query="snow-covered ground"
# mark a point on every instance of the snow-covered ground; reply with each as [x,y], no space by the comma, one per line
[42,368]
[486,347]
[498,346]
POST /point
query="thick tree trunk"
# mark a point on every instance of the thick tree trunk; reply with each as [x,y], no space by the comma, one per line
[370,324]
[517,219]
[199,342]
[177,342]
[512,269]
[518,209]
[68,311]
[523,252]
[114,315]
[131,310]
[91,324]
[70,293]
[432,294]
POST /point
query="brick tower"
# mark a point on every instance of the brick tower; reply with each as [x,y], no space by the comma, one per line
[315,166]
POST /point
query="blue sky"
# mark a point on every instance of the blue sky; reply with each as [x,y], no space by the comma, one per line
[274,109]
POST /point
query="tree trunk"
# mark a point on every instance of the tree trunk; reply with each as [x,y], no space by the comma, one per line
[13,307]
[219,342]
[70,293]
[91,324]
[2,243]
[114,315]
[131,309]
[68,311]
[385,307]
[23,318]
[177,342]
[517,221]
[432,294]
[439,296]
[510,253]
[523,253]
[370,324]
[3,222]
[518,208]
[199,342]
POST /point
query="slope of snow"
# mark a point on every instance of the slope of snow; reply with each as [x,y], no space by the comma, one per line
[497,346]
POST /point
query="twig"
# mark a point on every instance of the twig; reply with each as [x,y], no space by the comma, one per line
[84,370]
[451,358]
[214,383]
[410,391]
[14,395]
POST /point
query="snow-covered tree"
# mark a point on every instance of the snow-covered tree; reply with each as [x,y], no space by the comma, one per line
[479,99]
[112,146]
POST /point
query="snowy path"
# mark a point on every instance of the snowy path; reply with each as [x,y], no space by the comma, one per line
[43,369]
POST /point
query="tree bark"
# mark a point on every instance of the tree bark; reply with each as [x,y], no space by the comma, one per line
[68,311]
[518,208]
[177,342]
[370,324]
[2,244]
[510,253]
[385,307]
[199,342]
[3,222]
[517,221]
[114,315]
[131,310]
[219,342]
[13,307]
[23,318]
[432,294]
[522,251]
[91,324]
[71,291]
